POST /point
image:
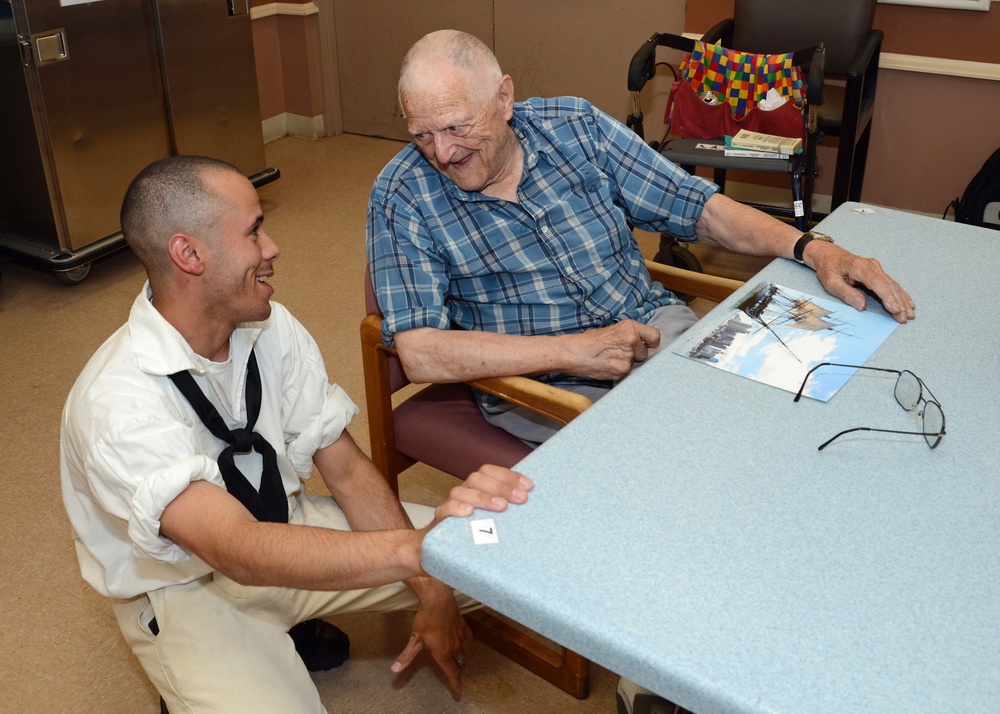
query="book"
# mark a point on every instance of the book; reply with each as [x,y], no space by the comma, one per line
[766,142]
[730,150]
[752,154]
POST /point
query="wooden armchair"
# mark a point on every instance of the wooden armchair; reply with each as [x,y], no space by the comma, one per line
[441,425]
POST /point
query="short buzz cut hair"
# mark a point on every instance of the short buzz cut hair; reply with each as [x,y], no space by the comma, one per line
[459,49]
[167,197]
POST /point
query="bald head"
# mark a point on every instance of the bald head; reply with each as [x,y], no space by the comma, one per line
[443,55]
[167,197]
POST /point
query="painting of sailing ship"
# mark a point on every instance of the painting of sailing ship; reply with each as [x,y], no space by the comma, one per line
[777,334]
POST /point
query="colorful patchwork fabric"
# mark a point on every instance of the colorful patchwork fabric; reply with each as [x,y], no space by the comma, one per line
[741,79]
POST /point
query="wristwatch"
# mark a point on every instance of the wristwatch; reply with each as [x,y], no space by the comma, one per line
[807,237]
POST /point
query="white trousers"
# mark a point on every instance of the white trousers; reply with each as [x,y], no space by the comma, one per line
[224,647]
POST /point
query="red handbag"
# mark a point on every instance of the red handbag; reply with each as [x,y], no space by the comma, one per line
[737,81]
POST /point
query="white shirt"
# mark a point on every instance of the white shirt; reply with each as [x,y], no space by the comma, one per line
[131,443]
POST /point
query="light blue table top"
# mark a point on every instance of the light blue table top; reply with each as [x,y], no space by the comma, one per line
[686,533]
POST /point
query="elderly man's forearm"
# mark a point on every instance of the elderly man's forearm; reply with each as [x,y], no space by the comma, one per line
[440,356]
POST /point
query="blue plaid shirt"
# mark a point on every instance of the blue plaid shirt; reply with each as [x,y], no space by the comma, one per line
[561,260]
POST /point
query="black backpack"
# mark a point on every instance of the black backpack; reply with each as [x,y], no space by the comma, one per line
[980,204]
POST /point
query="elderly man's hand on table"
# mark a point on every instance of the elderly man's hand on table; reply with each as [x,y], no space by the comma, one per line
[841,272]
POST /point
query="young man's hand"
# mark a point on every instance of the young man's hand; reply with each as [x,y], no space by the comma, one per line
[490,488]
[438,627]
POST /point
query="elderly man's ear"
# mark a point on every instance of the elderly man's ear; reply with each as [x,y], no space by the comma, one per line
[506,96]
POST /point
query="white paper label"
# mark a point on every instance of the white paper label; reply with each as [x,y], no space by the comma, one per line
[484,531]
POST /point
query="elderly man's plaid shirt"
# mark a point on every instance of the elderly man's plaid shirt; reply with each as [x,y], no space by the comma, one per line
[561,260]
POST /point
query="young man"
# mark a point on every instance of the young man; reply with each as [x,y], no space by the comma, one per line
[512,220]
[185,443]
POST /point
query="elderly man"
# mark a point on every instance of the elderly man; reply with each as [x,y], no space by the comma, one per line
[212,553]
[511,220]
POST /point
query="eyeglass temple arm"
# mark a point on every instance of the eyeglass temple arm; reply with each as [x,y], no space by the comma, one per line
[798,394]
[885,431]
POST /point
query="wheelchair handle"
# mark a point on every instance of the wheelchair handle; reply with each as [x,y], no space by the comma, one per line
[643,65]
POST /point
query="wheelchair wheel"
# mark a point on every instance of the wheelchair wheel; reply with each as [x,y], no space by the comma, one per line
[672,253]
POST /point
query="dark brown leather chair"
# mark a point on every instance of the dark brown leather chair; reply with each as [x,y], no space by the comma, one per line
[850,67]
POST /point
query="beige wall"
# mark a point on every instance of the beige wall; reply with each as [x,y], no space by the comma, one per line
[931,133]
[373,35]
[583,49]
[548,47]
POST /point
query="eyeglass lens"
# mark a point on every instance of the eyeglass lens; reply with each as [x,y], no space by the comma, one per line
[908,390]
[908,394]
[933,423]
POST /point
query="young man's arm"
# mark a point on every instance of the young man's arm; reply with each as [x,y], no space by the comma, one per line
[207,521]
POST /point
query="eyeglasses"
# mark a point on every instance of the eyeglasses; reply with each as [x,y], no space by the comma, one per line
[909,393]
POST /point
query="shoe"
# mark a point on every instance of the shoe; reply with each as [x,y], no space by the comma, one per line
[320,645]
[633,699]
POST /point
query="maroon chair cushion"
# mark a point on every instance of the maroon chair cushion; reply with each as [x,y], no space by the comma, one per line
[443,427]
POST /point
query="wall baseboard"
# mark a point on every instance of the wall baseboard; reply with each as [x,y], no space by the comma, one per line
[283,8]
[940,65]
[288,124]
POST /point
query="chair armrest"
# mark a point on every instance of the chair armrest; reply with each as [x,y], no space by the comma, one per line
[710,287]
[859,94]
[817,75]
[868,51]
[378,398]
[555,403]
[371,330]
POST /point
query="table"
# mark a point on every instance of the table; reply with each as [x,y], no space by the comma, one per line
[717,558]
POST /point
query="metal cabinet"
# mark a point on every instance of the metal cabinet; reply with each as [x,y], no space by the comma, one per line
[91,92]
